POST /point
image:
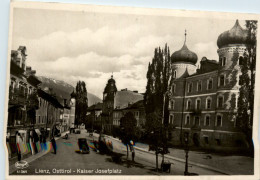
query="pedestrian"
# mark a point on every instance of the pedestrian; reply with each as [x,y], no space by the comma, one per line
[19,143]
[53,142]
[44,142]
[133,152]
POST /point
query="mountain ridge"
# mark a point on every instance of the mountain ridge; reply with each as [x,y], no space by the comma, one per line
[62,90]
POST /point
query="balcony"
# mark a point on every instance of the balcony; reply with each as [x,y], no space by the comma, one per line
[17,97]
[20,97]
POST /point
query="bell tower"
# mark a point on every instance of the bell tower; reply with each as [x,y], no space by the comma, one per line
[108,103]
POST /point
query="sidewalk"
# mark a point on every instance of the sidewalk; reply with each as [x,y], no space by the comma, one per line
[31,158]
[231,165]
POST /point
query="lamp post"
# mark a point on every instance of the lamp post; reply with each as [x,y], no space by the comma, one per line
[186,140]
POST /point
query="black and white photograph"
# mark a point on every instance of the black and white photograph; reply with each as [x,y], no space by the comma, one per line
[118,91]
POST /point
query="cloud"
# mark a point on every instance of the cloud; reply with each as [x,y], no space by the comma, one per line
[208,49]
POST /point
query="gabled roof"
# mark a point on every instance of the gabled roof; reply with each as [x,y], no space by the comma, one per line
[137,105]
[126,97]
[96,107]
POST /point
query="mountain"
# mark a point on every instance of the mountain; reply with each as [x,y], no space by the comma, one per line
[62,90]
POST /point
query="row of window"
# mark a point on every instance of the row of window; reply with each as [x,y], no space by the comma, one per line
[220,103]
[221,82]
[222,61]
[196,120]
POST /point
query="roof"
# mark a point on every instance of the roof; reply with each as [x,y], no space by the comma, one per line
[236,35]
[49,98]
[126,97]
[136,105]
[97,106]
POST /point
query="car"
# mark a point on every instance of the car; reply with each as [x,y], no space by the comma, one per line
[77,131]
[83,146]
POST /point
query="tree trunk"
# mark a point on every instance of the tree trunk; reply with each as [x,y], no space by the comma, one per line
[126,151]
[156,153]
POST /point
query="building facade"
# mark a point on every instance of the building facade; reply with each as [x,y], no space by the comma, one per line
[203,101]
[137,109]
[94,117]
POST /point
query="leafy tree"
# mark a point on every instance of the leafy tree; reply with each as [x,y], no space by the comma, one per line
[247,85]
[128,129]
[156,101]
[158,77]
[81,103]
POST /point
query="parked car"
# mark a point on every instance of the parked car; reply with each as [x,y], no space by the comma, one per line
[77,131]
[83,145]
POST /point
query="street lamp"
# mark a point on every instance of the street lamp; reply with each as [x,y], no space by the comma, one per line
[186,140]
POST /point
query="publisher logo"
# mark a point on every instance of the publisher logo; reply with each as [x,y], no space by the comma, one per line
[21,164]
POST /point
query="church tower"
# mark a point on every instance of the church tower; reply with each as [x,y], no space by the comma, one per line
[183,61]
[108,103]
[232,46]
[72,109]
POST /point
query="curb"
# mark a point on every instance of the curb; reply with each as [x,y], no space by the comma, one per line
[180,160]
[32,158]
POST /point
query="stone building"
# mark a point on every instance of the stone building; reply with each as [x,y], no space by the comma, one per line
[114,102]
[137,109]
[94,117]
[23,101]
[203,101]
[72,106]
[49,113]
[108,104]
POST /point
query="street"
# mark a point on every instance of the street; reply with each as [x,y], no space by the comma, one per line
[68,162]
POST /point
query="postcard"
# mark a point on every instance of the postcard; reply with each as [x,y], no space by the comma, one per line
[134,93]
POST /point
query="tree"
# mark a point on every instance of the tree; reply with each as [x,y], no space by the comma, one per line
[81,103]
[247,85]
[158,77]
[156,101]
[128,129]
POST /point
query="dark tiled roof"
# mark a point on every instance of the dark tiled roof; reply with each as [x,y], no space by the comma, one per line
[97,106]
[123,98]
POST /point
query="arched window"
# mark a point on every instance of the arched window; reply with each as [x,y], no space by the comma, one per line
[220,61]
[196,120]
[207,120]
[224,61]
[188,107]
[189,87]
[173,88]
[220,101]
[210,84]
[198,102]
[171,119]
[199,86]
[208,103]
[221,80]
[174,74]
[240,60]
[172,104]
[218,122]
[187,120]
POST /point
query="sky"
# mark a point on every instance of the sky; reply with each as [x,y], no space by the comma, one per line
[89,46]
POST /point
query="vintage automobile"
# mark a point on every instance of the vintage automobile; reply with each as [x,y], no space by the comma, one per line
[77,131]
[83,146]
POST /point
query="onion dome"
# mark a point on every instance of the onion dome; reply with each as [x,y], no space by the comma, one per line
[236,35]
[184,55]
[73,94]
[111,79]
[111,85]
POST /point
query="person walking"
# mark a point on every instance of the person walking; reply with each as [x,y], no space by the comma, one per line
[19,143]
[53,142]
